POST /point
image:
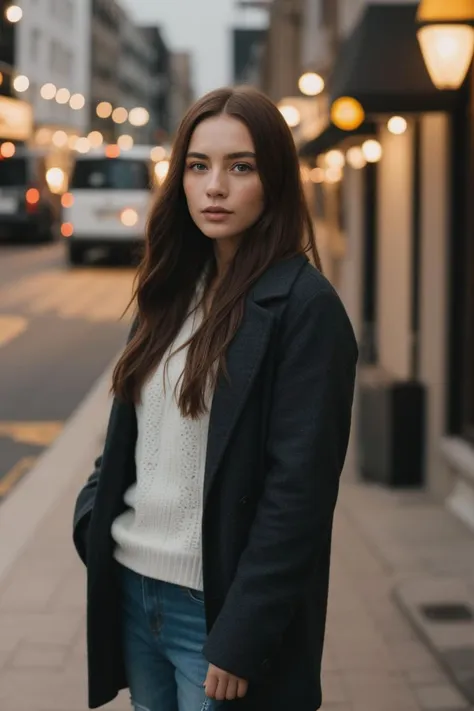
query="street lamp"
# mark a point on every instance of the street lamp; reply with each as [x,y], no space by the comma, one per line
[347,113]
[311,84]
[446,38]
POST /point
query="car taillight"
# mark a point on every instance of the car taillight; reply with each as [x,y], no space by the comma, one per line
[67,200]
[32,198]
[67,229]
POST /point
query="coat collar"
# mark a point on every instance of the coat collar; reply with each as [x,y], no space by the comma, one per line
[277,281]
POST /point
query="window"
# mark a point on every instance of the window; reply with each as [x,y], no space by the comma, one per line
[13,172]
[111,174]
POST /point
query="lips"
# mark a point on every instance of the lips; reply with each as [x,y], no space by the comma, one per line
[216,211]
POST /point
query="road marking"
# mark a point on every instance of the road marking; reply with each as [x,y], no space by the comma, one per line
[14,475]
[91,294]
[11,327]
[40,434]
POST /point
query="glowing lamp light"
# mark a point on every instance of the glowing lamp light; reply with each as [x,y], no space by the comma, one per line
[161,170]
[112,151]
[63,96]
[67,200]
[129,217]
[355,158]
[397,125]
[372,151]
[347,113]
[13,14]
[317,175]
[32,196]
[60,139]
[67,229]
[333,175]
[139,116]
[48,91]
[55,178]
[291,115]
[7,150]
[77,102]
[119,115]
[125,142]
[335,159]
[311,84]
[82,145]
[104,109]
[95,138]
[21,83]
[447,51]
[157,153]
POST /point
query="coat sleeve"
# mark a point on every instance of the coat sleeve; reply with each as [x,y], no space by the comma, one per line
[306,447]
[86,496]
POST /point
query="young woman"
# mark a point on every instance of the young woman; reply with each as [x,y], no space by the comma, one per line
[206,525]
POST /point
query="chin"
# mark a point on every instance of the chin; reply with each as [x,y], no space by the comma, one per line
[218,232]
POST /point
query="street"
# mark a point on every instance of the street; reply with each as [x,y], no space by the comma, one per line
[59,329]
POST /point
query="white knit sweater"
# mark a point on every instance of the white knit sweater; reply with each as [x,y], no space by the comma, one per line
[159,535]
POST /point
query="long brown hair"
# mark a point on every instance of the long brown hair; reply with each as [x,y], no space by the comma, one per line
[177,252]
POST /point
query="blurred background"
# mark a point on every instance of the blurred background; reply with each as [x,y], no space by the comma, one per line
[380,100]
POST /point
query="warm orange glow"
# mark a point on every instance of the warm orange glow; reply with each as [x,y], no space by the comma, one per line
[8,149]
[32,196]
[129,217]
[67,229]
[67,200]
[112,151]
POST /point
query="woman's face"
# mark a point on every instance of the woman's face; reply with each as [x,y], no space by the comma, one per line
[221,181]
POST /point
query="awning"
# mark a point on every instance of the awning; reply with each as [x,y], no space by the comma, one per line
[381,65]
[332,136]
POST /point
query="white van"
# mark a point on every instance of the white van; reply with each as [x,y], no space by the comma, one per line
[108,201]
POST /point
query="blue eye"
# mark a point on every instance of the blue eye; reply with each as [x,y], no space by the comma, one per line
[243,168]
[197,167]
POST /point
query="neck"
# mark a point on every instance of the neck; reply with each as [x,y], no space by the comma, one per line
[224,252]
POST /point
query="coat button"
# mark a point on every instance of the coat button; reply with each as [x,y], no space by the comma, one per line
[244,500]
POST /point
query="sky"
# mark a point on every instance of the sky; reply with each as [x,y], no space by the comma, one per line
[202,27]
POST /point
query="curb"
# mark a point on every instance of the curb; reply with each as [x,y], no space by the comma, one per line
[35,496]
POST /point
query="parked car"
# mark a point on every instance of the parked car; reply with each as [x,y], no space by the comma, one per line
[29,210]
[108,201]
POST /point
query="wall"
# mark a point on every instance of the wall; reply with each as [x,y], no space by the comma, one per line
[435,172]
[394,231]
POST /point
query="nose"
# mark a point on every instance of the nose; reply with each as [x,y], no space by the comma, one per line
[216,187]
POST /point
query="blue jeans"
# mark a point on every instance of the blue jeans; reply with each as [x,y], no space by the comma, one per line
[164,631]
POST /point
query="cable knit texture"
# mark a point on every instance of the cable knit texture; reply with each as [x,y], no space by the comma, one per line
[159,535]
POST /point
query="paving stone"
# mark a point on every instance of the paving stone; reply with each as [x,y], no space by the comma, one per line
[440,696]
[39,656]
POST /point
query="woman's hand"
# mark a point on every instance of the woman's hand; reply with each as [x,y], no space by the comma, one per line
[222,686]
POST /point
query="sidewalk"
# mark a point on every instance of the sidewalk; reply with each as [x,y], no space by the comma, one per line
[374,660]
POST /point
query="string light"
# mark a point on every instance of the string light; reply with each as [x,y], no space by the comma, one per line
[21,83]
[63,96]
[14,13]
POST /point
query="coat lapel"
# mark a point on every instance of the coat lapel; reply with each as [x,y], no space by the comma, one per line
[244,357]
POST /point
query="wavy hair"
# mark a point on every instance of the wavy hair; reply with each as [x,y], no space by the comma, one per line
[177,252]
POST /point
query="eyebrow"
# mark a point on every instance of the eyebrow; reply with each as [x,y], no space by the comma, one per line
[230,156]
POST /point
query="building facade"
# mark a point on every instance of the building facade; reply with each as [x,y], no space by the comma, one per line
[105,49]
[52,49]
[182,92]
[395,232]
[159,83]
